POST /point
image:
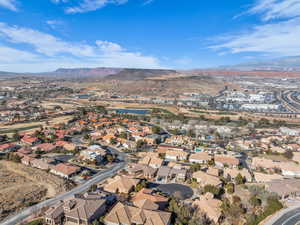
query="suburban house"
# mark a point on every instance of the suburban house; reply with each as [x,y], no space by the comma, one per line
[26,160]
[55,214]
[176,155]
[45,147]
[28,140]
[284,188]
[148,194]
[233,173]
[120,184]
[152,160]
[122,214]
[166,174]
[258,162]
[65,170]
[224,160]
[94,153]
[141,171]
[205,179]
[213,171]
[200,157]
[263,177]
[170,148]
[290,169]
[83,211]
[77,210]
[9,147]
[42,164]
[210,206]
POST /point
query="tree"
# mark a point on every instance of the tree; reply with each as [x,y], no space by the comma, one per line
[156,130]
[191,133]
[16,136]
[123,135]
[96,222]
[113,141]
[110,158]
[93,188]
[195,167]
[239,179]
[141,185]
[140,144]
[288,154]
[216,191]
[230,188]
[254,201]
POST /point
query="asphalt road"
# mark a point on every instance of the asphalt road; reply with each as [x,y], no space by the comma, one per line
[290,218]
[101,176]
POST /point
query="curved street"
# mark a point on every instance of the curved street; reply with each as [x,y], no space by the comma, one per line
[101,176]
[288,216]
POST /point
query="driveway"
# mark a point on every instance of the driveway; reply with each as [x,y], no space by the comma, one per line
[180,191]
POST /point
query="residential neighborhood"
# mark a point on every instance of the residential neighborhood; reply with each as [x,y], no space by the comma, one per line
[210,176]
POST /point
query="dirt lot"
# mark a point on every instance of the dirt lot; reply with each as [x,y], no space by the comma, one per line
[22,186]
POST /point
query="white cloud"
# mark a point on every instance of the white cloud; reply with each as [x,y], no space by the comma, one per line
[278,35]
[276,9]
[11,55]
[92,5]
[107,46]
[54,24]
[50,52]
[280,38]
[44,43]
[9,4]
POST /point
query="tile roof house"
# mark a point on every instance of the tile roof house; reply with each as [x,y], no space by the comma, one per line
[170,148]
[8,147]
[146,204]
[152,161]
[54,215]
[259,162]
[176,155]
[45,147]
[81,210]
[210,206]
[213,171]
[205,179]
[66,145]
[26,160]
[166,174]
[40,164]
[233,173]
[296,157]
[201,157]
[290,169]
[262,177]
[222,160]
[122,214]
[120,184]
[284,188]
[65,170]
[30,140]
[141,171]
[148,194]
[94,153]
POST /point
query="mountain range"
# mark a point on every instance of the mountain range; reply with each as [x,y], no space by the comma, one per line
[287,66]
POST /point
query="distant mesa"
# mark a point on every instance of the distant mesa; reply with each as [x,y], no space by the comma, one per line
[282,67]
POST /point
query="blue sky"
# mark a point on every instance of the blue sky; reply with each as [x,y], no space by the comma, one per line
[43,35]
